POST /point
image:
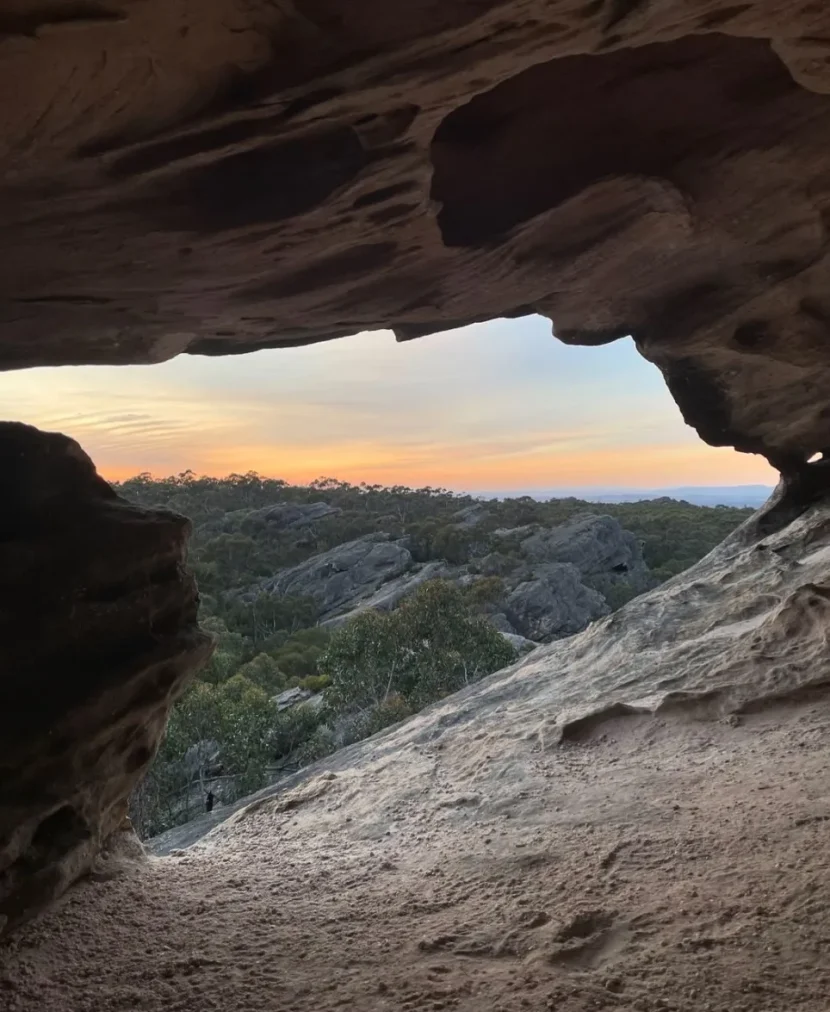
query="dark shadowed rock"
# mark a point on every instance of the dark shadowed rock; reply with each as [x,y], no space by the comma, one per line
[98,637]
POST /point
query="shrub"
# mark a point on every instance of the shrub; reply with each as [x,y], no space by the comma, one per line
[430,646]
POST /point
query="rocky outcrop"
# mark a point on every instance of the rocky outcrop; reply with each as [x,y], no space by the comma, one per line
[291,697]
[595,545]
[557,577]
[263,175]
[287,516]
[342,577]
[98,636]
[554,604]
[554,577]
[392,592]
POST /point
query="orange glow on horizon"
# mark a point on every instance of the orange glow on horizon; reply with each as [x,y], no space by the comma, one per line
[459,467]
[491,407]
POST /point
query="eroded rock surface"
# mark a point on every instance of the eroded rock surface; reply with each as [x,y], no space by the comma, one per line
[98,635]
[243,176]
[258,175]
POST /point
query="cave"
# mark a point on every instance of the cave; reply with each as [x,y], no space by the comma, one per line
[264,176]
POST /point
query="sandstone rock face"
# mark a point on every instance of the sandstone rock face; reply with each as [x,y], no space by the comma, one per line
[258,175]
[243,176]
[98,636]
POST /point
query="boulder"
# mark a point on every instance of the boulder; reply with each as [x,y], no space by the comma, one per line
[499,621]
[496,564]
[520,644]
[98,638]
[291,697]
[555,604]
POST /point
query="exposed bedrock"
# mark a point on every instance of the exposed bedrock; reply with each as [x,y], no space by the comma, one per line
[98,635]
[261,174]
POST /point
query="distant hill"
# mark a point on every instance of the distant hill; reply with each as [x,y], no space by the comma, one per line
[753,496]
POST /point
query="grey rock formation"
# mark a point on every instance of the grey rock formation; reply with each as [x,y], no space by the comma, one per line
[289,516]
[499,621]
[291,697]
[392,592]
[554,579]
[554,604]
[520,644]
[197,757]
[471,516]
[342,577]
[596,545]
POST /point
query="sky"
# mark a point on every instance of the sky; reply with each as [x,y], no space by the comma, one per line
[499,406]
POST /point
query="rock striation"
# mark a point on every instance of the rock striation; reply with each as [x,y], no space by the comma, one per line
[340,578]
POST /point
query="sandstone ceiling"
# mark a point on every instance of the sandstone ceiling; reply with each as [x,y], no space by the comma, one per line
[216,176]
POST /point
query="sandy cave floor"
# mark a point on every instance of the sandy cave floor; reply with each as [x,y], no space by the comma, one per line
[656,864]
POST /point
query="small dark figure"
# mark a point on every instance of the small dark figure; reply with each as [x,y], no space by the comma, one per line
[209,802]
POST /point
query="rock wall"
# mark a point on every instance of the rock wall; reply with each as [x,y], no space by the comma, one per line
[98,636]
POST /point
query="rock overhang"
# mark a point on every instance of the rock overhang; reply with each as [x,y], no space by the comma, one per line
[276,176]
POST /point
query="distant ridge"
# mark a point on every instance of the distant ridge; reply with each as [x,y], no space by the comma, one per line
[698,495]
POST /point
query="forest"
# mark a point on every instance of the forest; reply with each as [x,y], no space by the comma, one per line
[231,733]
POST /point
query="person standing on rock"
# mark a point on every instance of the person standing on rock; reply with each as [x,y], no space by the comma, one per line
[209,802]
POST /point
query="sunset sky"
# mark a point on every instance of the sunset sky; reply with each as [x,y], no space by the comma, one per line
[491,407]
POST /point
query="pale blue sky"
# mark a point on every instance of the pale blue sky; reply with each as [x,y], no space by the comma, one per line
[500,405]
